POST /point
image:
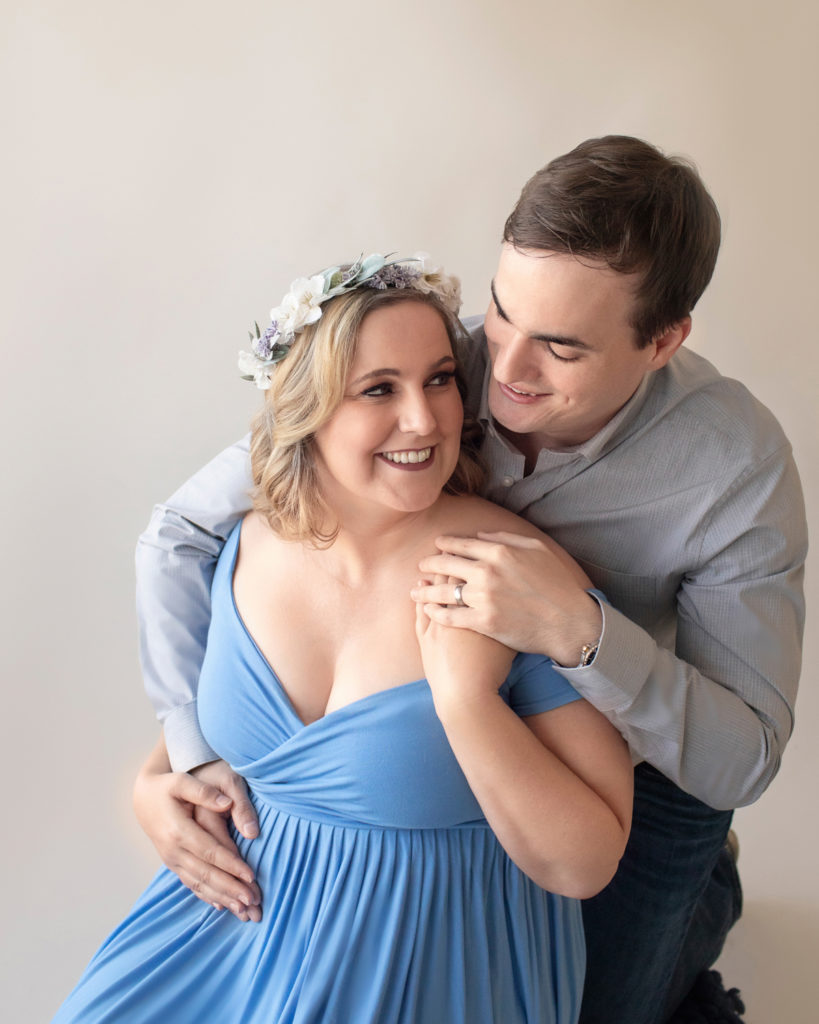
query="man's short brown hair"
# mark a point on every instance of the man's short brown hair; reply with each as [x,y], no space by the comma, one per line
[621,200]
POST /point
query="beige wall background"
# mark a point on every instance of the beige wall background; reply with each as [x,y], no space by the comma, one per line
[168,169]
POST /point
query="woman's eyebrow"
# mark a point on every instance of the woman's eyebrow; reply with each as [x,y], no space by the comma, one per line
[389,371]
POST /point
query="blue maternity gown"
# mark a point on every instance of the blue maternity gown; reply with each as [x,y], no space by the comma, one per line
[386,897]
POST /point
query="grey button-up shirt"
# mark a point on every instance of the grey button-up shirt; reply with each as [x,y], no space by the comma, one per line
[685,509]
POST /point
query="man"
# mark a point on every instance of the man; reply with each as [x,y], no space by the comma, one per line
[671,486]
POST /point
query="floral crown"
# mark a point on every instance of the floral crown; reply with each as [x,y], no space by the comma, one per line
[301,306]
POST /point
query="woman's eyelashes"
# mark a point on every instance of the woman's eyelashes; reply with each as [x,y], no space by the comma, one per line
[438,380]
[441,379]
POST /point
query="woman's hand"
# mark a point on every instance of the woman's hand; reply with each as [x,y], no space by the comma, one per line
[526,592]
[555,788]
[459,664]
[186,818]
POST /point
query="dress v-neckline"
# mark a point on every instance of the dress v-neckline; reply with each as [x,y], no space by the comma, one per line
[280,688]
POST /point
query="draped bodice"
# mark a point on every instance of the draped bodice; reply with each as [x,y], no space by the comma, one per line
[383,760]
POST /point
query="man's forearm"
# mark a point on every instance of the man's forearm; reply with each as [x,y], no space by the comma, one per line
[697,731]
[715,714]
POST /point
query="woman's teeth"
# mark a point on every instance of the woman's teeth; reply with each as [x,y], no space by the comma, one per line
[421,455]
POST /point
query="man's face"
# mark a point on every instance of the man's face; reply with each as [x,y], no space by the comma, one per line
[564,355]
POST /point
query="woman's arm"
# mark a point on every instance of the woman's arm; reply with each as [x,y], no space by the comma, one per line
[556,788]
[186,817]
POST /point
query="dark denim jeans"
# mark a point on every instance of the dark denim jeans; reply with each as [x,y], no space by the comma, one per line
[665,915]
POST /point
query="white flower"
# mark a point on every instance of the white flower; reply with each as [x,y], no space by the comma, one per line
[253,368]
[425,260]
[301,306]
[433,279]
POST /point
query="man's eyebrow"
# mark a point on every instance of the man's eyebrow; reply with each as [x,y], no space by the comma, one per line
[389,371]
[552,339]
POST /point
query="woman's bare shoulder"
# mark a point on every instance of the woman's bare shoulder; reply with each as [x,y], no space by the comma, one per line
[467,516]
[259,539]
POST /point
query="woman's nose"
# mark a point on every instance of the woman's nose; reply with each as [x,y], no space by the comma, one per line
[416,415]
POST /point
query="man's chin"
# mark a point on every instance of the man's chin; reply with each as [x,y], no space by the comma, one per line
[521,417]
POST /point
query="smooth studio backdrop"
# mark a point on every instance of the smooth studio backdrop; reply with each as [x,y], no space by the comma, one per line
[168,169]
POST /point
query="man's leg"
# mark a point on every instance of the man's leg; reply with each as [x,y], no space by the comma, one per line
[717,910]
[637,928]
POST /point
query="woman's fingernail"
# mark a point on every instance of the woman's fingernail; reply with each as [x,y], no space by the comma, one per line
[223,801]
[250,830]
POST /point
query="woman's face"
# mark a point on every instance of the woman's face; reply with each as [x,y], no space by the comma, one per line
[395,439]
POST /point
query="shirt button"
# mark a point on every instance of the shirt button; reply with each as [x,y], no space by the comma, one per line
[508,481]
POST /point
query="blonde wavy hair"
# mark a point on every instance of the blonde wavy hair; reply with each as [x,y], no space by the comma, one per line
[307,387]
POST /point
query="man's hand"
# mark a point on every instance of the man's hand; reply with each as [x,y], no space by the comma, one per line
[525,592]
[186,817]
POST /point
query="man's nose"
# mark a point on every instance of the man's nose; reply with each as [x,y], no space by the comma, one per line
[513,359]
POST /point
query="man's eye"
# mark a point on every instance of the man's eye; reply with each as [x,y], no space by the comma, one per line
[562,359]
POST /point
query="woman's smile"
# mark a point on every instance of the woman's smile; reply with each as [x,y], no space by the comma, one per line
[411,458]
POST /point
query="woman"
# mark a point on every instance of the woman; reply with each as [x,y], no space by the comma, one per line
[431,807]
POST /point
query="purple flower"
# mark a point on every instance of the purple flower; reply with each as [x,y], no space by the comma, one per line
[263,347]
[394,276]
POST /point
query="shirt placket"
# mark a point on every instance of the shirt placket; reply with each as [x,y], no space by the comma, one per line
[508,486]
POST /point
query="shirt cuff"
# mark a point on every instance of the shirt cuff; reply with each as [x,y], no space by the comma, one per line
[624,660]
[187,747]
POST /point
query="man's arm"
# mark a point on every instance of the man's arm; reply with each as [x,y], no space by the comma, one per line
[175,560]
[714,715]
[186,818]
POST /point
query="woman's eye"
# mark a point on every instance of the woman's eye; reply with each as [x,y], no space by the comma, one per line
[388,388]
[442,379]
[377,391]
